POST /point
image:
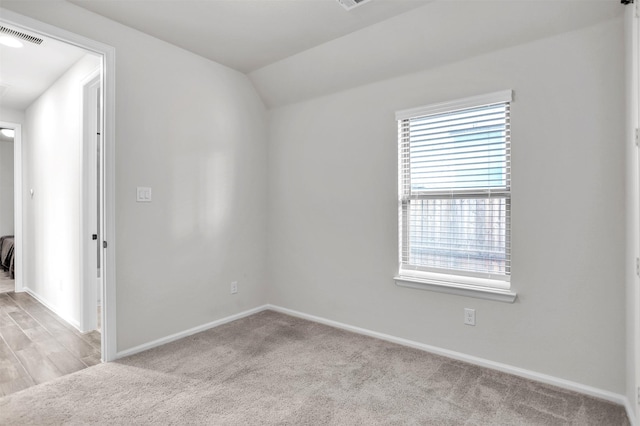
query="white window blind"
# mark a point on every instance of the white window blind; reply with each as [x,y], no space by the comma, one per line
[455,188]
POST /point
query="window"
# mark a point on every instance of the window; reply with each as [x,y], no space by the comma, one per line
[455,194]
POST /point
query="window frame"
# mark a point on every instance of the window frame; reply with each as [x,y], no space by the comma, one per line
[451,281]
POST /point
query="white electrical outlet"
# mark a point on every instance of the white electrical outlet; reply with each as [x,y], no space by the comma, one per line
[469,316]
[234,287]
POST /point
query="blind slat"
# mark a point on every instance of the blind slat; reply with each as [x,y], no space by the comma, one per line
[454,186]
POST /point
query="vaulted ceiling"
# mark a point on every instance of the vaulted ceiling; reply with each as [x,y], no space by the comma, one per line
[247,34]
[294,50]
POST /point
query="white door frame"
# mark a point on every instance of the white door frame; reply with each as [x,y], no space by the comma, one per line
[17,201]
[636,201]
[633,208]
[89,272]
[107,53]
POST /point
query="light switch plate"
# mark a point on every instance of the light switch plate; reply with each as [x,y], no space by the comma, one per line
[143,194]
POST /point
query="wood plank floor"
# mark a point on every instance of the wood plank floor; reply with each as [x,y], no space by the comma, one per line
[37,346]
[6,283]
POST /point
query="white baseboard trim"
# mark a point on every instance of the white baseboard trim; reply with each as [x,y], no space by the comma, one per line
[71,321]
[517,371]
[189,332]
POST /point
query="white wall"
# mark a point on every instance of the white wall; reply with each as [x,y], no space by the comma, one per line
[333,209]
[194,131]
[11,115]
[52,162]
[6,188]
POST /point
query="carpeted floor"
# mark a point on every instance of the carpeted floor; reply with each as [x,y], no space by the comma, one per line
[270,368]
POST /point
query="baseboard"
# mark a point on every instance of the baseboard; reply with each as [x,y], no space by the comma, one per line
[189,332]
[72,322]
[517,371]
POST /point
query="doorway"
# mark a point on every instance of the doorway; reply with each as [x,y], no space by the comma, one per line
[12,261]
[100,288]
[11,214]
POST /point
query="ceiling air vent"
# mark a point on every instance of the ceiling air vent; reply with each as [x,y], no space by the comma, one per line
[21,36]
[350,4]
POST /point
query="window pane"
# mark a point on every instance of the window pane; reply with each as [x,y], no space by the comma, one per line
[454,186]
[459,150]
[459,234]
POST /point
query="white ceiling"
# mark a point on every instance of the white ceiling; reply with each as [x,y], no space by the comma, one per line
[247,34]
[28,71]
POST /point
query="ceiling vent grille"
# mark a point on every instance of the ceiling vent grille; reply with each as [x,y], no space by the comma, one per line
[350,4]
[21,36]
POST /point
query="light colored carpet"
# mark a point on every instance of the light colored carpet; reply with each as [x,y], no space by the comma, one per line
[270,368]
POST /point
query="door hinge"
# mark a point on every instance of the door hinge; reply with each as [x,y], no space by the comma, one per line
[638,266]
[104,244]
[638,394]
[637,136]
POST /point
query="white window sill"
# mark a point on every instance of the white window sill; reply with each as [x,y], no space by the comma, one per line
[478,292]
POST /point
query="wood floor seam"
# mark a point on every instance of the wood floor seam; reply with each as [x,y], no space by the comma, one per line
[17,360]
